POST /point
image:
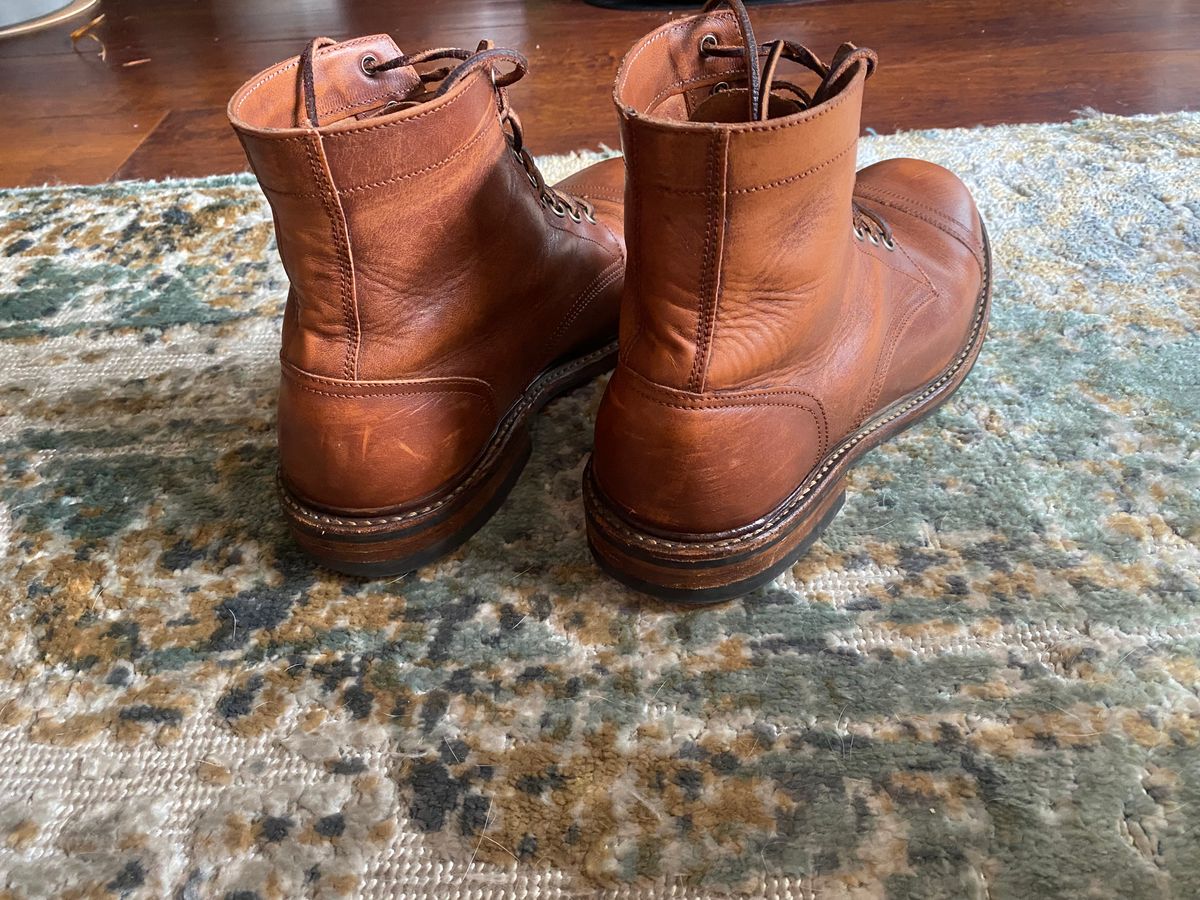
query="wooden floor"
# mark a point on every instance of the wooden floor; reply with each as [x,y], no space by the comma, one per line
[70,116]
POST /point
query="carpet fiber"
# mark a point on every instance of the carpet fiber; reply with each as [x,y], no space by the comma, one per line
[982,682]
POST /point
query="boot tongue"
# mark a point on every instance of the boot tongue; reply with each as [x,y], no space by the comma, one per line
[763,103]
[342,87]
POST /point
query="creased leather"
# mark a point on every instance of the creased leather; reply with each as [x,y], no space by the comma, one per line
[744,275]
[418,253]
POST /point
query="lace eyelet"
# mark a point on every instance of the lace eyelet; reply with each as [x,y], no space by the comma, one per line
[558,209]
[720,86]
[858,233]
[871,237]
[575,216]
[708,42]
[532,180]
[889,243]
[591,218]
[367,64]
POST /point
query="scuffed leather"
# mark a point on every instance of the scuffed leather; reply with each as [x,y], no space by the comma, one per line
[418,252]
[744,277]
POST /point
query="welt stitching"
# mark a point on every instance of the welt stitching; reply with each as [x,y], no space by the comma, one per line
[798,499]
[498,439]
[706,274]
[318,177]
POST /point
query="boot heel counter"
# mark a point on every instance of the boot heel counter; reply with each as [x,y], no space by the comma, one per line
[366,447]
[703,463]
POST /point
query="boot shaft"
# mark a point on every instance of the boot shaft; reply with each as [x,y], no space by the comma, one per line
[392,223]
[439,285]
[733,226]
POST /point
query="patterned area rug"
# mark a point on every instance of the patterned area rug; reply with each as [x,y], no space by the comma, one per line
[981,683]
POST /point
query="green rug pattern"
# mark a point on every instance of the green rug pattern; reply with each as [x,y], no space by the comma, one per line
[983,681]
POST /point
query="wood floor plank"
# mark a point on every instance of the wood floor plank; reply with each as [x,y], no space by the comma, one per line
[943,63]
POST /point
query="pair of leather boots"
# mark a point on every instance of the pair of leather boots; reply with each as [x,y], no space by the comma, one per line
[778,314]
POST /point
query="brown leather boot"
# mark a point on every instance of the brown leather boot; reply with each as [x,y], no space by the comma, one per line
[441,292]
[780,318]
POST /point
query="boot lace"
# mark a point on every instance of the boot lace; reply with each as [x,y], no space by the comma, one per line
[439,81]
[866,224]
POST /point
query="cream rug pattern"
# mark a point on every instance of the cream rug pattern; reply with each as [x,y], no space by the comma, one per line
[982,682]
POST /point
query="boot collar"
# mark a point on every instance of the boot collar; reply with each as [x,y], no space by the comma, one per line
[678,73]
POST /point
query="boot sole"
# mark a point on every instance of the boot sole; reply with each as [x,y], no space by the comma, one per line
[406,539]
[703,569]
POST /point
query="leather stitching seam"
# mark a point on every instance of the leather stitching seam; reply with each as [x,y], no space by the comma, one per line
[606,277]
[754,128]
[684,25]
[287,68]
[450,101]
[459,383]
[503,431]
[401,393]
[635,302]
[346,285]
[707,275]
[937,220]
[740,400]
[770,184]
[885,359]
[887,265]
[688,82]
[479,135]
[817,479]
[879,194]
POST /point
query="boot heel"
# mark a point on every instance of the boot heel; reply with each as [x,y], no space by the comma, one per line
[703,569]
[408,538]
[398,543]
